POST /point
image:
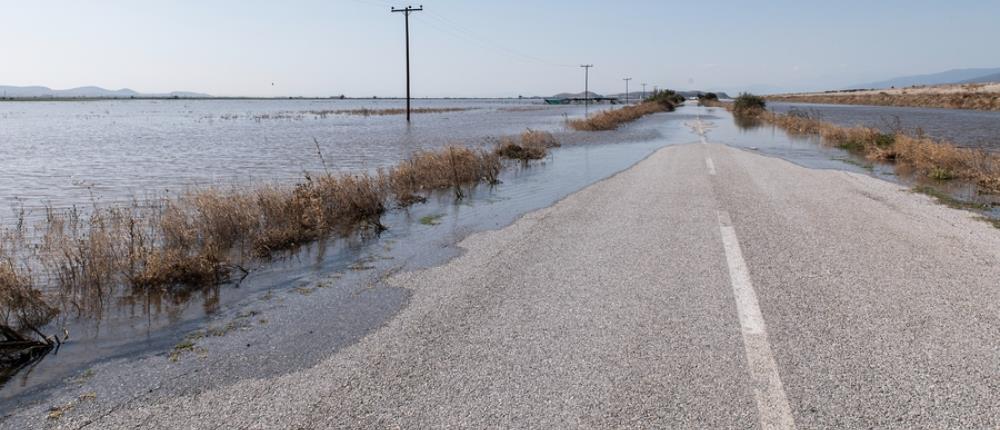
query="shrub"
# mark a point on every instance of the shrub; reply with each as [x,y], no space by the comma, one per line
[749,104]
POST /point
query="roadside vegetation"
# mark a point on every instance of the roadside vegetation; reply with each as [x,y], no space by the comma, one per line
[920,154]
[74,259]
[611,119]
[916,153]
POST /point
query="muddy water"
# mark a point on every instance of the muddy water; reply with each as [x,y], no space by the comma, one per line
[969,128]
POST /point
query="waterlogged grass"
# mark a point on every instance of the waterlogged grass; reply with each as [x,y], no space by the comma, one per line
[919,154]
[205,237]
[613,118]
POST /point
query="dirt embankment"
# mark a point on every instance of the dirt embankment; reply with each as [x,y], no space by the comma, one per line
[966,96]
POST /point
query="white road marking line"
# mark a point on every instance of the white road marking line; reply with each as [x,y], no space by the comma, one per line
[772,405]
[711,166]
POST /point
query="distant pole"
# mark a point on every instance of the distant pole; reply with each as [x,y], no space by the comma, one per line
[406,12]
[626,88]
[644,91]
[586,89]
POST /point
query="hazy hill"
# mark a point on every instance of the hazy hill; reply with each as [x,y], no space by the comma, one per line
[988,78]
[575,95]
[948,77]
[84,92]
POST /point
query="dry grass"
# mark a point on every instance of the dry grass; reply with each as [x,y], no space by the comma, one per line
[451,167]
[202,237]
[612,118]
[919,154]
[533,145]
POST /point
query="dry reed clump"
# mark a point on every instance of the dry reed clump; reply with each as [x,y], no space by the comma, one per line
[23,308]
[533,145]
[451,167]
[923,155]
[612,118]
[200,237]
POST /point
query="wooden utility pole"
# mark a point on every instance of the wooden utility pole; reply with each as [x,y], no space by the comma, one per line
[406,12]
[586,89]
[626,88]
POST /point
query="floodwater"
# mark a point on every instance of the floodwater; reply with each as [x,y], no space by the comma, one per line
[73,153]
[147,322]
[967,128]
[174,136]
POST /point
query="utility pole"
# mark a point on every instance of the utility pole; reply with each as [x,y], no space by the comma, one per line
[626,89]
[406,12]
[643,91]
[586,89]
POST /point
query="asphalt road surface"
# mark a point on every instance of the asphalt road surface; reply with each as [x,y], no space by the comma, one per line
[706,287]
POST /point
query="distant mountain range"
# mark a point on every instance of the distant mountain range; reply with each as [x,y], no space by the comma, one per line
[955,76]
[86,92]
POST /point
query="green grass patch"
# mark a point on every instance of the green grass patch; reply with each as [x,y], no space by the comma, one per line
[431,219]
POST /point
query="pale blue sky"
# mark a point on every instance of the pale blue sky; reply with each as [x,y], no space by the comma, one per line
[479,48]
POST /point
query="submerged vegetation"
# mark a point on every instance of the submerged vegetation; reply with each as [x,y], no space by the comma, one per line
[611,119]
[202,237]
[920,154]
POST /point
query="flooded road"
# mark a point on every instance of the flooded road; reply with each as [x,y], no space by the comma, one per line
[272,298]
[967,128]
[153,322]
